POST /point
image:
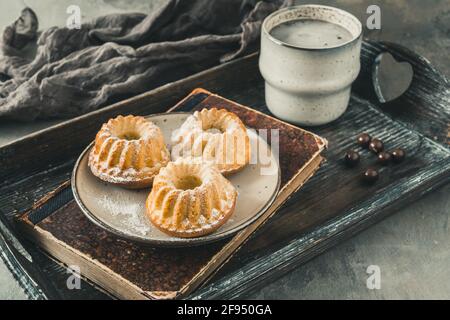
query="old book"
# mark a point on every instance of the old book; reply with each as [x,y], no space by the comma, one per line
[133,271]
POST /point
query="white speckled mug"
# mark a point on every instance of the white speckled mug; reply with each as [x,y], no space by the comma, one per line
[309,84]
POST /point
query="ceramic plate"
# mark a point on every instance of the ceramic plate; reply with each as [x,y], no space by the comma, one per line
[122,211]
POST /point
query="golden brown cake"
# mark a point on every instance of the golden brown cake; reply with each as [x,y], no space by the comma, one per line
[128,151]
[190,199]
[215,136]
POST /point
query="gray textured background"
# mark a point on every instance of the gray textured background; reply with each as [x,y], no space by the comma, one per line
[412,247]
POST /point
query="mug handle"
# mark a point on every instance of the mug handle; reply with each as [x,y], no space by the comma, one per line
[424,106]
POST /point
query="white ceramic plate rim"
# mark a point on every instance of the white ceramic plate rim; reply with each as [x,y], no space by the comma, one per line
[172,242]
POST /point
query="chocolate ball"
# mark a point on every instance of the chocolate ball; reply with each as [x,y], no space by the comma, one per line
[376,145]
[384,158]
[351,158]
[398,155]
[371,175]
[363,140]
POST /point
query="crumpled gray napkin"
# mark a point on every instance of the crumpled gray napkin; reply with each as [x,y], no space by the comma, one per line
[75,71]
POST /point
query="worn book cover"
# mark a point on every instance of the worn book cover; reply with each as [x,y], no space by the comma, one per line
[130,270]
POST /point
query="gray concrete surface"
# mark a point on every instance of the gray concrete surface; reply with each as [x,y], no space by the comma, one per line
[412,247]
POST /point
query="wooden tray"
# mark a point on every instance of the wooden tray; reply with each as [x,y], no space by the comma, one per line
[332,206]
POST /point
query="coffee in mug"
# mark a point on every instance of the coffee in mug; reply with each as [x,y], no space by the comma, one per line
[310,56]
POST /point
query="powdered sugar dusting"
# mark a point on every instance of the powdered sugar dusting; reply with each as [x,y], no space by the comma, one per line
[130,214]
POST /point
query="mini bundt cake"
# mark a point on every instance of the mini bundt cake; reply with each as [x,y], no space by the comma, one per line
[215,136]
[190,199]
[128,151]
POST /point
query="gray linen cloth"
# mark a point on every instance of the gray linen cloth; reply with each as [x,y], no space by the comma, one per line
[75,71]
